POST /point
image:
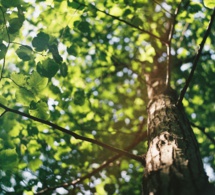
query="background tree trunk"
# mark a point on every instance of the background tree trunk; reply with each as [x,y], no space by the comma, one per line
[173,161]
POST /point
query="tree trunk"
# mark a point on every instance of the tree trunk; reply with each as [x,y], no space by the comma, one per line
[173,161]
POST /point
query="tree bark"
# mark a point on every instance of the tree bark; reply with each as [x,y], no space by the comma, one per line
[173,161]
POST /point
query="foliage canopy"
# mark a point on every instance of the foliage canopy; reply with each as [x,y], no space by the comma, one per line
[79,65]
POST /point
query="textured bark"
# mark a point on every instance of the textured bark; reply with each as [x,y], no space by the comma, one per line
[173,162]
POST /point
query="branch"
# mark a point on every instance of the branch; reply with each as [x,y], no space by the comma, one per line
[183,91]
[4,59]
[202,129]
[138,139]
[75,135]
[124,21]
[172,28]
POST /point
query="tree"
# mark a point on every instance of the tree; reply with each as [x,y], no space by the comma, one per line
[82,80]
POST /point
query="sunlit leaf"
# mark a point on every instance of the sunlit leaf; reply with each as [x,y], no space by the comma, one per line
[209,4]
[35,164]
[37,82]
[39,109]
[19,79]
[24,96]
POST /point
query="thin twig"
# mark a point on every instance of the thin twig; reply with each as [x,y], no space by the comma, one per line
[162,7]
[172,28]
[126,22]
[136,141]
[4,59]
[202,129]
[75,135]
[3,113]
[195,62]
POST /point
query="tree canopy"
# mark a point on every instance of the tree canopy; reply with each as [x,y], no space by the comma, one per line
[73,92]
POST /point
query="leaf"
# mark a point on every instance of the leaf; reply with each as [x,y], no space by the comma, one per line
[4,102]
[136,21]
[24,53]
[3,50]
[79,97]
[110,188]
[48,68]
[40,42]
[72,50]
[8,159]
[10,3]
[209,4]
[24,96]
[84,27]
[39,110]
[194,7]
[75,5]
[36,82]
[35,164]
[19,79]
[64,70]
[14,25]
[55,53]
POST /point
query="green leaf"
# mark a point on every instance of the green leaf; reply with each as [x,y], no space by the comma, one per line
[209,4]
[48,68]
[39,110]
[136,21]
[24,52]
[55,53]
[110,188]
[84,27]
[10,3]
[79,97]
[3,50]
[64,70]
[75,5]
[73,50]
[14,25]
[8,159]
[194,7]
[24,96]
[36,82]
[19,79]
[4,102]
[35,164]
[40,42]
